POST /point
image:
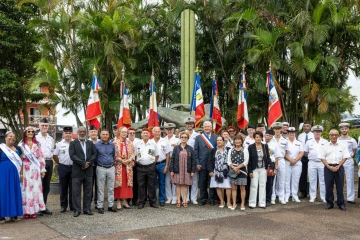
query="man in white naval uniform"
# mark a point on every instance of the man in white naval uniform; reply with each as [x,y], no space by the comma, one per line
[250,137]
[193,192]
[312,149]
[170,189]
[349,163]
[279,180]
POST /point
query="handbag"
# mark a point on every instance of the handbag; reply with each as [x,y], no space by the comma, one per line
[232,174]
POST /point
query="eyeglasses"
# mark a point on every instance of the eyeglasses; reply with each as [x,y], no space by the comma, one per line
[183,137]
[44,126]
[131,133]
[30,131]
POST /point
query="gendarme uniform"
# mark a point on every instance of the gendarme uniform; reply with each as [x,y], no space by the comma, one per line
[349,164]
[315,166]
[293,173]
[64,170]
[280,176]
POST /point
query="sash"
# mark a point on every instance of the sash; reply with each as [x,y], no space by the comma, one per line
[12,155]
[31,156]
[207,141]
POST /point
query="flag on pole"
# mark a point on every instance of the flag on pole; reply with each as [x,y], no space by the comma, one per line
[242,117]
[93,110]
[197,101]
[274,112]
[215,113]
[153,120]
[124,116]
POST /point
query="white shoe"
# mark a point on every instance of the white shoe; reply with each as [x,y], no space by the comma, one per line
[287,200]
[312,200]
[282,202]
[273,202]
[323,200]
[242,209]
[168,201]
[194,202]
[173,202]
[296,200]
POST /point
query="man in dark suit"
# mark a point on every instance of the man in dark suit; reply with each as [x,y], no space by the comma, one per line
[203,145]
[83,154]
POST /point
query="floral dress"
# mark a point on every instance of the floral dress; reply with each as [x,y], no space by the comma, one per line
[32,191]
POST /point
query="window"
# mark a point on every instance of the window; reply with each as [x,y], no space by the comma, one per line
[34,112]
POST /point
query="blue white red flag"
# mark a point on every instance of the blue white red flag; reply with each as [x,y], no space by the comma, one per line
[124,116]
[275,111]
[215,113]
[93,110]
[197,101]
[153,120]
[242,117]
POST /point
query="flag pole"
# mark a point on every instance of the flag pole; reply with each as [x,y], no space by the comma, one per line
[212,100]
[122,82]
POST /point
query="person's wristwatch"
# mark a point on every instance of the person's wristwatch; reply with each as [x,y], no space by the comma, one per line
[166,166]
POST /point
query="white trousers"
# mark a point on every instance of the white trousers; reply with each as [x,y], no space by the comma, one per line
[292,178]
[194,188]
[279,181]
[170,189]
[258,181]
[315,171]
[349,173]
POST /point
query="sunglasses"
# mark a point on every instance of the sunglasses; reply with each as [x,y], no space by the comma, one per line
[30,131]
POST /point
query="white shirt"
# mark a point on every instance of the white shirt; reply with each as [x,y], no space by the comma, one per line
[191,141]
[229,143]
[163,148]
[334,153]
[248,141]
[302,137]
[313,148]
[283,144]
[136,141]
[350,143]
[294,148]
[173,141]
[62,151]
[146,152]
[46,145]
[274,150]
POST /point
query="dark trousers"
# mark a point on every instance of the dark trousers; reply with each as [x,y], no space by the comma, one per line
[247,187]
[359,188]
[49,166]
[329,185]
[65,185]
[303,184]
[86,183]
[145,177]
[204,180]
[269,188]
[94,195]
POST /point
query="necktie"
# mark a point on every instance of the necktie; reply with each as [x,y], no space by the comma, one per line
[306,138]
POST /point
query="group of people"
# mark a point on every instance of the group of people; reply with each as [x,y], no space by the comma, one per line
[265,164]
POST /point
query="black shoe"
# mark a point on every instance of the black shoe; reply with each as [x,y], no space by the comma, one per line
[251,207]
[141,205]
[63,209]
[203,203]
[352,202]
[88,213]
[303,195]
[136,203]
[212,203]
[112,209]
[328,206]
[96,207]
[101,210]
[47,211]
[39,214]
[153,205]
[342,207]
[76,214]
[162,204]
[268,204]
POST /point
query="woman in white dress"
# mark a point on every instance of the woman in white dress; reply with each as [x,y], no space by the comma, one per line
[218,170]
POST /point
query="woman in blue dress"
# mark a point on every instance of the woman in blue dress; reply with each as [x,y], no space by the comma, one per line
[10,174]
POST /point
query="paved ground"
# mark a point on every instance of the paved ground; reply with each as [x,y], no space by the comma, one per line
[295,221]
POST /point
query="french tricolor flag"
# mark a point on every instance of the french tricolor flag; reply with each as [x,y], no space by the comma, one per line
[197,101]
[153,120]
[242,117]
[215,113]
[124,116]
[275,111]
[93,111]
